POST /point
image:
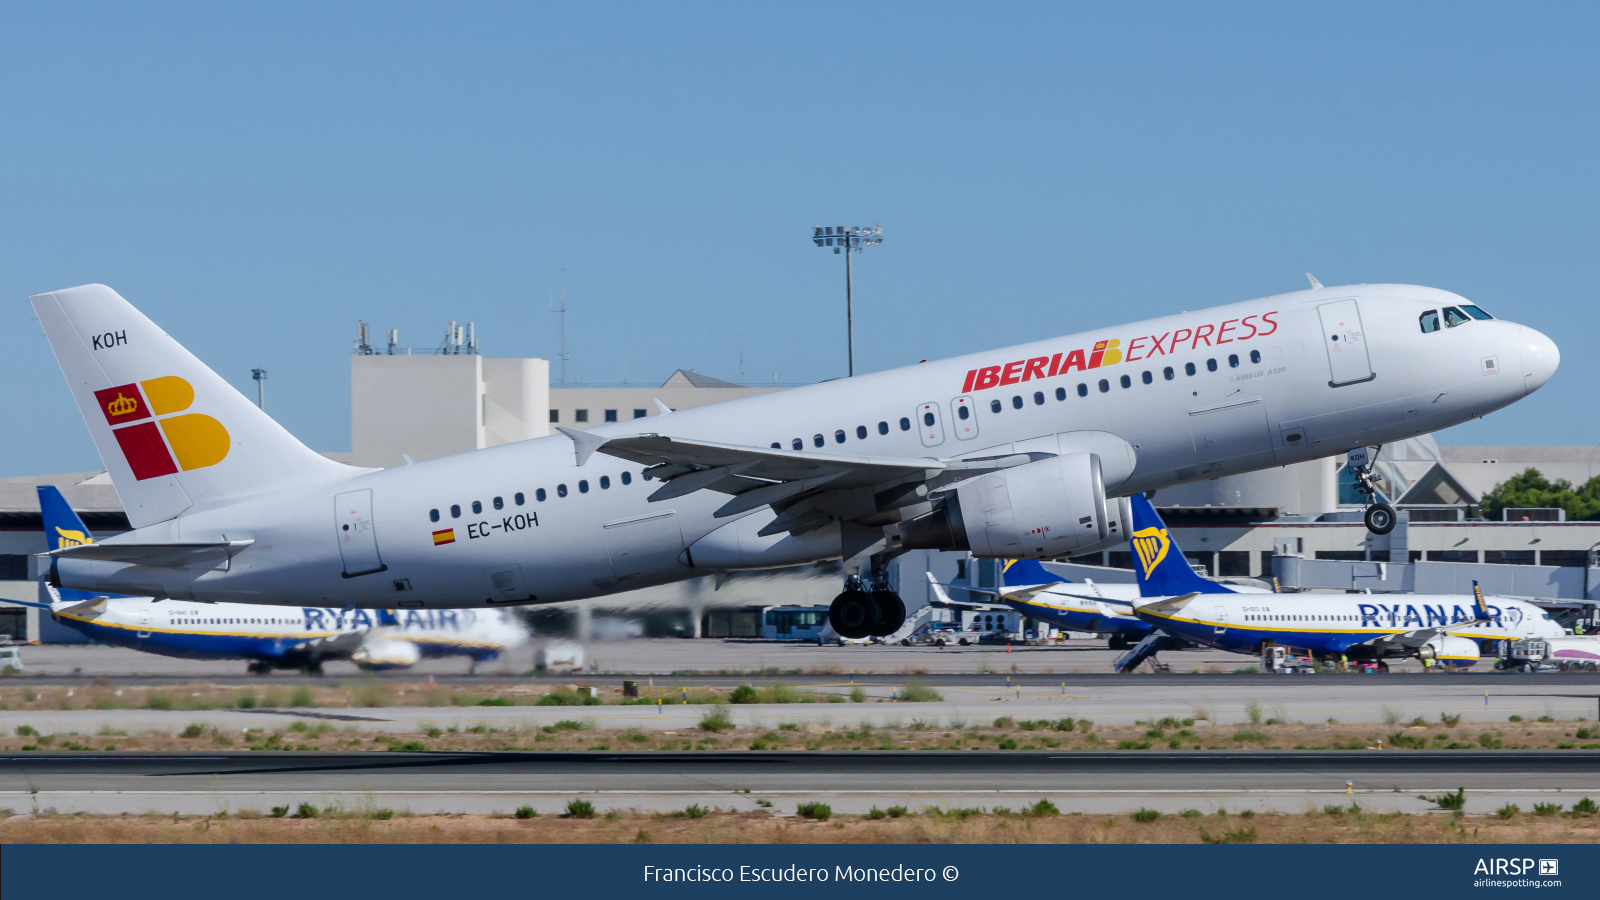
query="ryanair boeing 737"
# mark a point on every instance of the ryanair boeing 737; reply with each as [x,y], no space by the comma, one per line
[1446,628]
[1027,452]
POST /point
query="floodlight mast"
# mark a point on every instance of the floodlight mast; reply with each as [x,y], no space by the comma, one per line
[853,238]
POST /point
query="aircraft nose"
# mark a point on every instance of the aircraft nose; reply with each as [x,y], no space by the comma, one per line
[1540,358]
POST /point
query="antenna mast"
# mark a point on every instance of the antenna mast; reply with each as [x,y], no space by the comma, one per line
[561,310]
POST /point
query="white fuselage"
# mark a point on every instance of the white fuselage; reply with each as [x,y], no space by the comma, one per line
[451,532]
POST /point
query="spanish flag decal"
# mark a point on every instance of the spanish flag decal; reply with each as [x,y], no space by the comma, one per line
[447,536]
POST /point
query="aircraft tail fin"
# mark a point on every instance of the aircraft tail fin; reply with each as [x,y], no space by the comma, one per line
[172,433]
[1017,572]
[1158,563]
[62,525]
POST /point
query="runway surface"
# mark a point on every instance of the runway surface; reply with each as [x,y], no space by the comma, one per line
[1090,782]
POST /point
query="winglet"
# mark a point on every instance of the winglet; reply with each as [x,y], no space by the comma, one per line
[584,444]
[1315,284]
[1478,602]
[662,406]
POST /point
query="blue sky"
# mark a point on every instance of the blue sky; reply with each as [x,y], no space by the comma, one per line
[258,177]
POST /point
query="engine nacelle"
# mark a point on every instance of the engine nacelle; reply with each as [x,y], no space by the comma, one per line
[385,653]
[1050,508]
[736,546]
[1444,648]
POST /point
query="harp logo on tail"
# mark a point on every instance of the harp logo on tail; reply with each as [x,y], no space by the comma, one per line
[153,440]
[1151,544]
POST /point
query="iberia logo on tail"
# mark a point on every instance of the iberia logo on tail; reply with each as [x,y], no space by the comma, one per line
[1151,544]
[154,440]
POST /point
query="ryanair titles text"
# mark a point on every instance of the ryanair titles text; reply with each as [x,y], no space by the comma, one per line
[792,873]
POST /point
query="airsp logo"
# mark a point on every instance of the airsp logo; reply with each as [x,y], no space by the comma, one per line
[1502,866]
[1549,867]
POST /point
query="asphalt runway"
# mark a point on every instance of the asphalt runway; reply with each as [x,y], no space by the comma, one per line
[1088,782]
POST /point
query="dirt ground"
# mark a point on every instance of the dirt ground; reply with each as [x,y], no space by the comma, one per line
[913,827]
[907,733]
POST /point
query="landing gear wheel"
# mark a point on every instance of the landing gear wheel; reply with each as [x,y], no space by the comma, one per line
[1380,518]
[891,613]
[853,615]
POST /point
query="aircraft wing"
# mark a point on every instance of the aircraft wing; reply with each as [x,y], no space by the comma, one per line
[1414,639]
[173,555]
[807,490]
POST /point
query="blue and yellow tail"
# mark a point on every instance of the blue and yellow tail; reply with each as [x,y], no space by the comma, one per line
[1019,572]
[62,526]
[1161,567]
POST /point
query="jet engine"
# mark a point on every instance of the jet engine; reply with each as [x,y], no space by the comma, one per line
[377,653]
[1444,648]
[1045,509]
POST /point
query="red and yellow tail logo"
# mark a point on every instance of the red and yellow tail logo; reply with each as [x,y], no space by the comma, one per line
[162,443]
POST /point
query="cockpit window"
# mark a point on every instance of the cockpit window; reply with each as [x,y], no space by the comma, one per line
[1475,312]
[1430,321]
[1454,317]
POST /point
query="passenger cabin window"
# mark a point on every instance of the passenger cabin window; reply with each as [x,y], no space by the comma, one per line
[1146,377]
[1126,381]
[927,419]
[499,504]
[1255,356]
[883,427]
[627,478]
[1038,398]
[433,515]
[962,412]
[838,436]
[477,506]
[905,424]
[1016,403]
[605,482]
[1429,321]
[518,499]
[1233,360]
[1061,393]
[1211,365]
[1188,368]
[776,445]
[1167,373]
[539,495]
[583,486]
[994,405]
[819,440]
[799,444]
[1475,312]
[455,510]
[861,431]
[561,490]
[1104,385]
[1083,389]
[1454,317]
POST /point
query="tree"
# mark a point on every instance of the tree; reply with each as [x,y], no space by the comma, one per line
[1532,489]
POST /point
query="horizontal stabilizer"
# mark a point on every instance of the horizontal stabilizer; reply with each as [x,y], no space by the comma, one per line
[174,555]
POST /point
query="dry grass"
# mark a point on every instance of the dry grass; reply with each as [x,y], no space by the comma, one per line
[575,733]
[762,828]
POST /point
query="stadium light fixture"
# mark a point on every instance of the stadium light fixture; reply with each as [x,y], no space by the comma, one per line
[839,238]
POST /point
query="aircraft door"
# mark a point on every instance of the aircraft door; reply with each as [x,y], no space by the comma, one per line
[1348,362]
[965,418]
[358,540]
[1224,434]
[929,426]
[1220,626]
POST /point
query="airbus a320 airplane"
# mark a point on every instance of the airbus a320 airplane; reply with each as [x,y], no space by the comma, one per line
[1023,452]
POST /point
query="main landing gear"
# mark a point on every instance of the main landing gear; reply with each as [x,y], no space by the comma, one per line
[859,613]
[1379,517]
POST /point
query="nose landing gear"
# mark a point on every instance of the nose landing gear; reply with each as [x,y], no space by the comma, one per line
[1379,517]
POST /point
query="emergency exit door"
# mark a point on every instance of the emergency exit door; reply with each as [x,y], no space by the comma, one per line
[358,540]
[1348,362]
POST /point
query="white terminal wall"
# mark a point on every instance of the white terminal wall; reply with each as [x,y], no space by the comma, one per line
[432,406]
